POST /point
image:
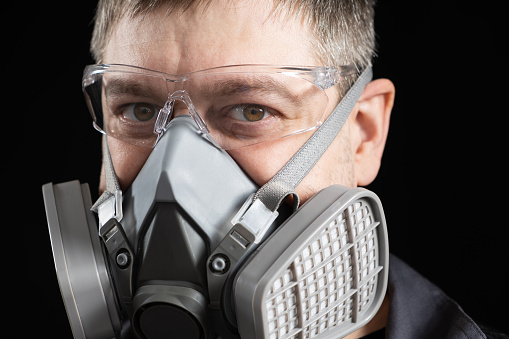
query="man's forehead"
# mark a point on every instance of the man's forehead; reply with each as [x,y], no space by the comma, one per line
[216,35]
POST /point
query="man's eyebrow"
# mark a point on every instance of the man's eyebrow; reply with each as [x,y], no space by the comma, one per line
[118,86]
[263,85]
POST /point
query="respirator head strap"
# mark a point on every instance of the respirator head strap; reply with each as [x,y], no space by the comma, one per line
[289,177]
[109,210]
[109,204]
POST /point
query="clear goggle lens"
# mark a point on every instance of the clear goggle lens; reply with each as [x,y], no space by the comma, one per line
[234,106]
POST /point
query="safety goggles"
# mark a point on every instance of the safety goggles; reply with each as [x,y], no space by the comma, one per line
[233,106]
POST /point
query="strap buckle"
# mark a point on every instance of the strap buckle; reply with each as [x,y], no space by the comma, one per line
[110,208]
[250,225]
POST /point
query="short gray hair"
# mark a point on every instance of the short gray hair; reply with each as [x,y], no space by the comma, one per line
[344,29]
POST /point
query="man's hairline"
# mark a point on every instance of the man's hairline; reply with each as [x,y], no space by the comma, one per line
[319,56]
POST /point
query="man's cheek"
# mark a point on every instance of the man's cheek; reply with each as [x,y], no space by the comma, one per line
[255,166]
[261,162]
[127,160]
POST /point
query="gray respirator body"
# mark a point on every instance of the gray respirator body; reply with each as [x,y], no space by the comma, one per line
[196,254]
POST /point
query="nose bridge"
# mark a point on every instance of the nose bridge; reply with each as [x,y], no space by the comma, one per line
[179,102]
[179,108]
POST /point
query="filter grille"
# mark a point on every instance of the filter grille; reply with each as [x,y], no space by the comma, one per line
[331,281]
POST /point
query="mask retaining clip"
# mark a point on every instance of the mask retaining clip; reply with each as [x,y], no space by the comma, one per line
[117,244]
[255,218]
[121,256]
[250,225]
[110,208]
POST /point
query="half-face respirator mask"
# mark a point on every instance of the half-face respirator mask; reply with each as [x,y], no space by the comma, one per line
[195,249]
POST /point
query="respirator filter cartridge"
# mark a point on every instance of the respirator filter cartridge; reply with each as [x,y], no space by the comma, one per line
[322,274]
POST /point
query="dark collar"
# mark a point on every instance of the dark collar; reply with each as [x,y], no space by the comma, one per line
[419,309]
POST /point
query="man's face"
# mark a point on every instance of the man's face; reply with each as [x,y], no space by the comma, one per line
[227,34]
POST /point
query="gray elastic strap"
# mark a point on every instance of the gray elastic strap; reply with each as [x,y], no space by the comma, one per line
[112,185]
[286,180]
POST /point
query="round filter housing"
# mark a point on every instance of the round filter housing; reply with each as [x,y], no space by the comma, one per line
[79,261]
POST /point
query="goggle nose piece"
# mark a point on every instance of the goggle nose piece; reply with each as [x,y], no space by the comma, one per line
[167,111]
[162,117]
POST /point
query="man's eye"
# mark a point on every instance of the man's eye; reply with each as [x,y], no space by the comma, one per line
[140,112]
[250,112]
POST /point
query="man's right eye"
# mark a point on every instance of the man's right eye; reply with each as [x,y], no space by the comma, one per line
[140,112]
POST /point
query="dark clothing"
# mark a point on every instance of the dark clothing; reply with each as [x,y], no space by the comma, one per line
[380,334]
[419,309]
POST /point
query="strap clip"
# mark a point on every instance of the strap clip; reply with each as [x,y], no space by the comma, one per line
[250,225]
[110,208]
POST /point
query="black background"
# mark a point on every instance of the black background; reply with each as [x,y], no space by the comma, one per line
[442,182]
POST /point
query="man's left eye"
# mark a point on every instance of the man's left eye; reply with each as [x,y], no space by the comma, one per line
[250,112]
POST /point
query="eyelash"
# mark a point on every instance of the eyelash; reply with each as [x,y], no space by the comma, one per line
[154,108]
[249,112]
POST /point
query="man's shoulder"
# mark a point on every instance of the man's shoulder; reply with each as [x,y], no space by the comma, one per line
[493,333]
[419,309]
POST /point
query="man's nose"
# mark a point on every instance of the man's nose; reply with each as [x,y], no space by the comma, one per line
[180,103]
[179,108]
